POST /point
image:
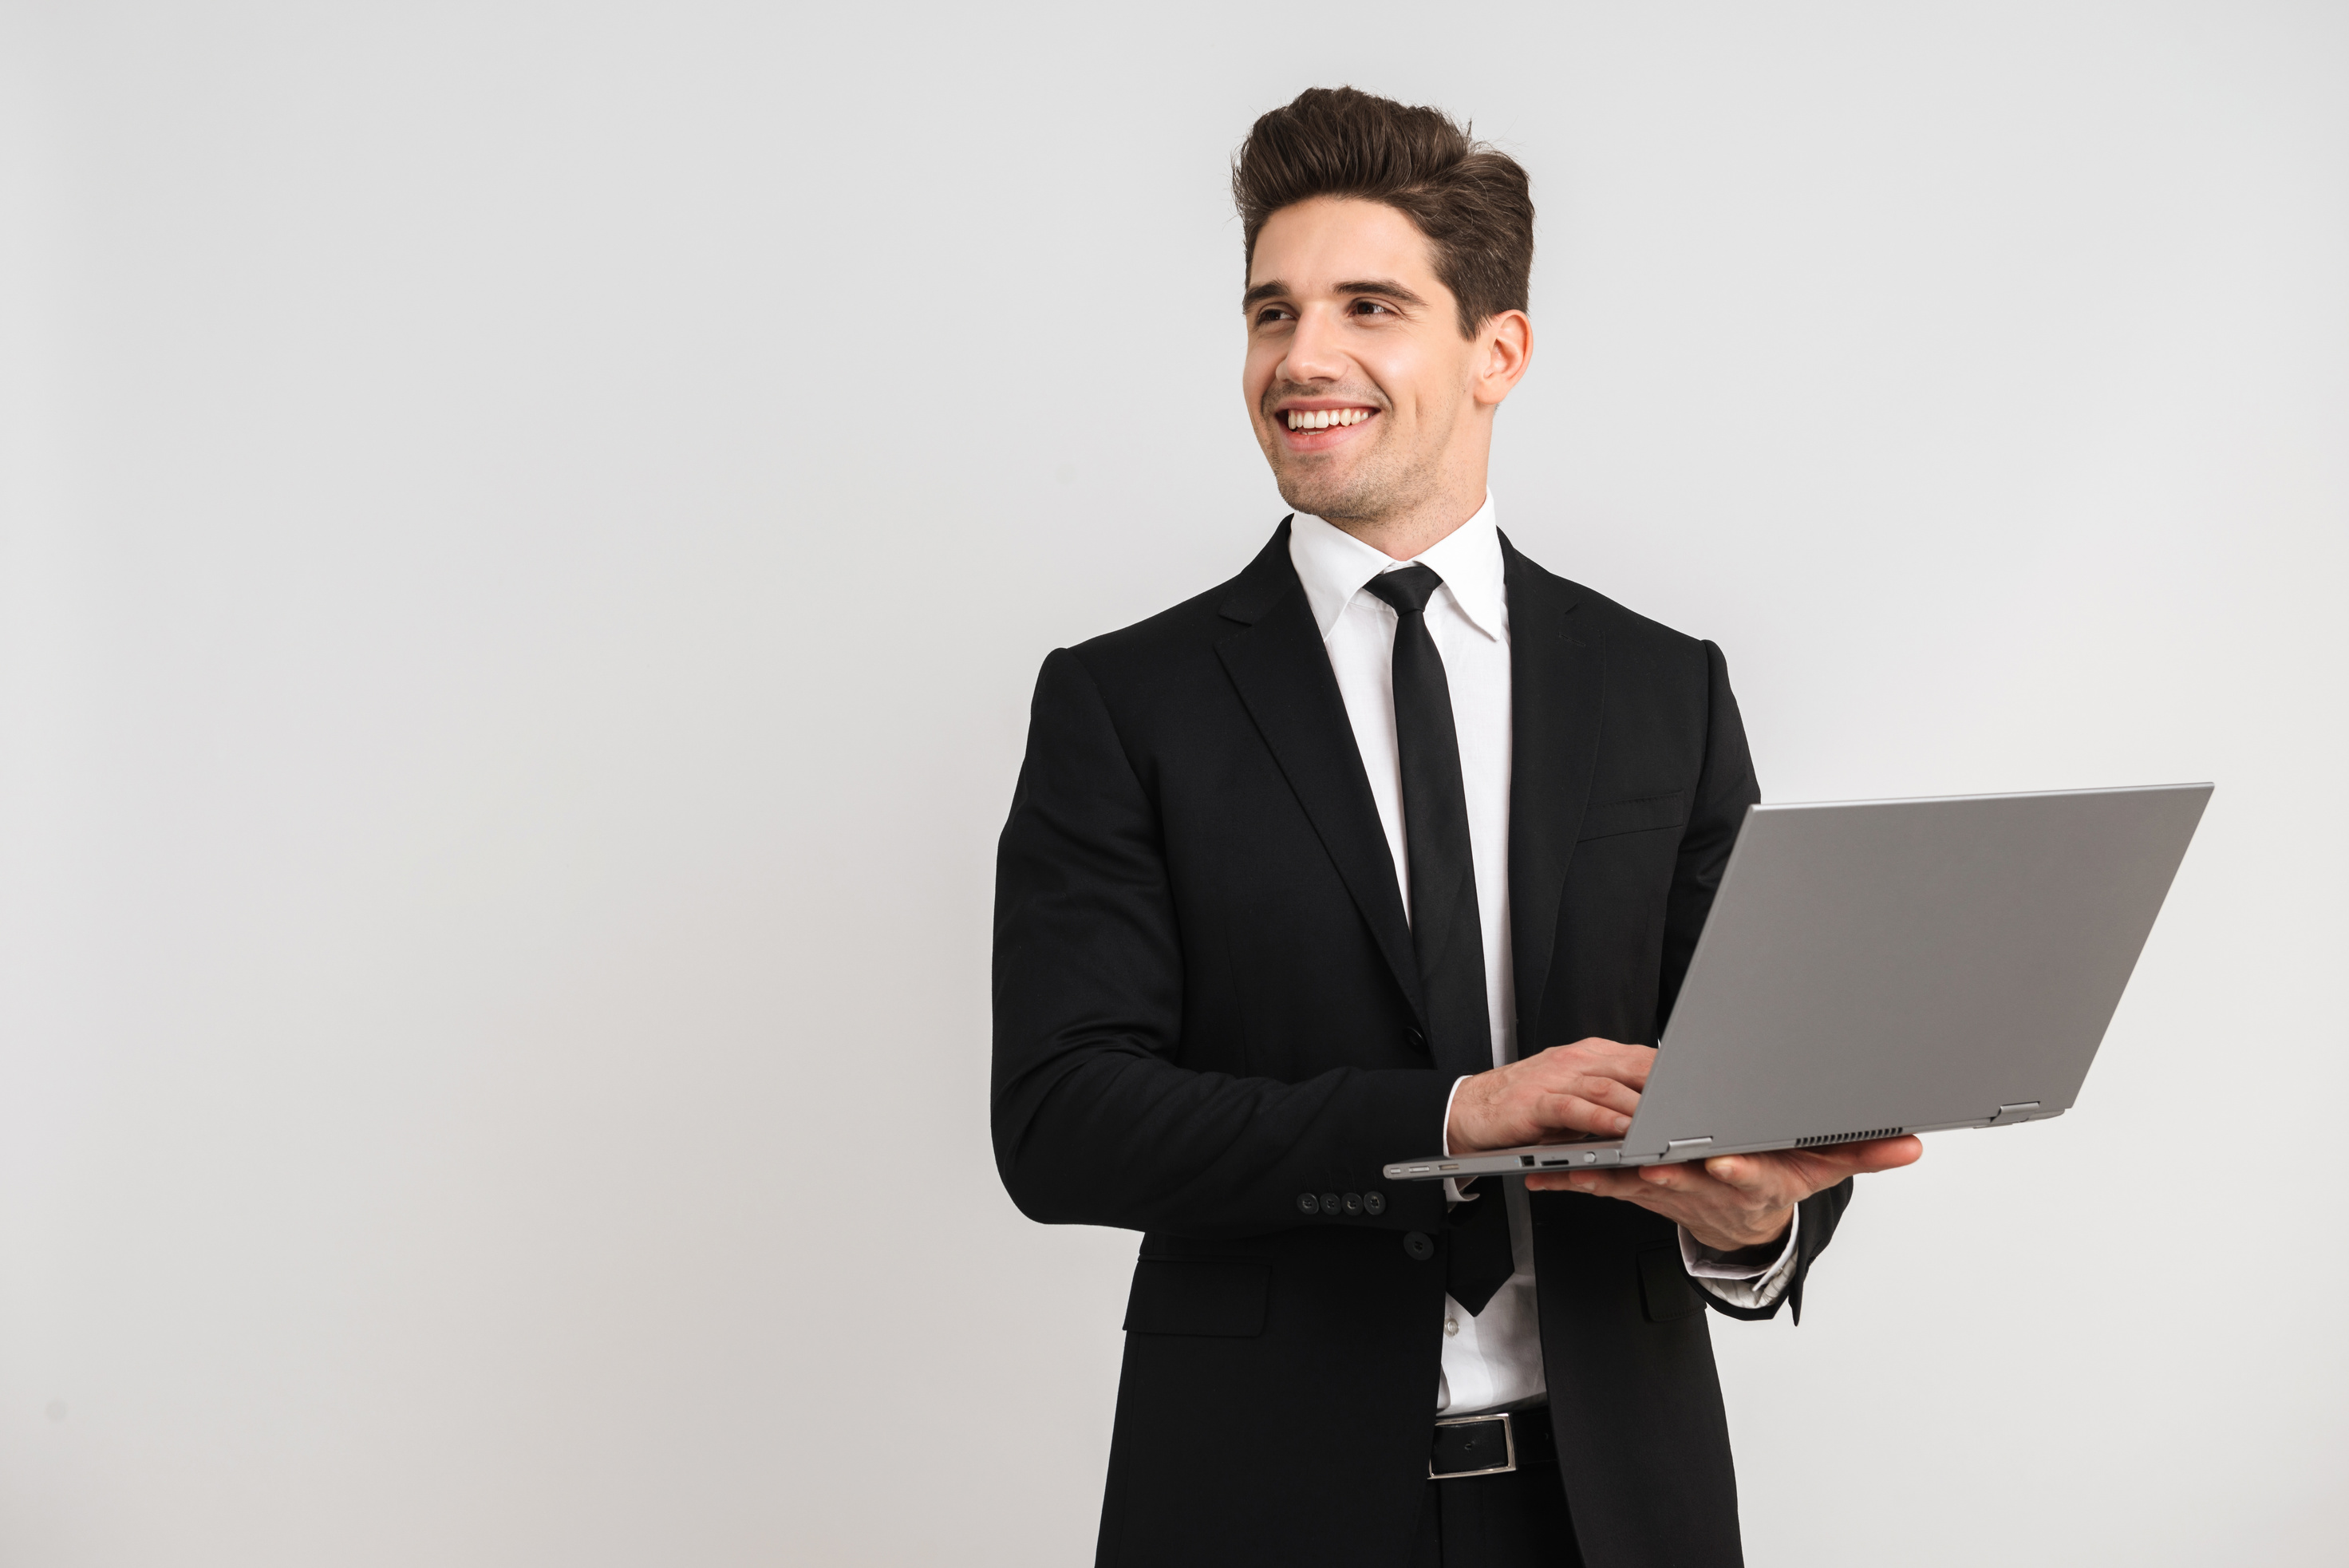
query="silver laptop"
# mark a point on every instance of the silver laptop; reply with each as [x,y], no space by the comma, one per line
[1872,968]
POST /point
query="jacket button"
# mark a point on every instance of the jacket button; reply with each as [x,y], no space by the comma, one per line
[1330,1204]
[1419,1246]
[1416,1037]
[1353,1203]
[1374,1203]
[1307,1204]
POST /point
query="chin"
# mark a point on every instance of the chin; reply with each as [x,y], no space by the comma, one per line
[1327,495]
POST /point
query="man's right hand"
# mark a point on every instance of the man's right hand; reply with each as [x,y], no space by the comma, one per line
[1590,1086]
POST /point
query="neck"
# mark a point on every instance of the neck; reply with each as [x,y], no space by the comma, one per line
[1411,530]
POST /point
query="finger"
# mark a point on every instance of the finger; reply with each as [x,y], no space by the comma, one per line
[1889,1153]
[1597,1183]
[1627,1064]
[1745,1173]
[1667,1188]
[1877,1154]
[1575,1114]
[1689,1177]
[1612,1092]
[1782,1176]
[1569,1066]
[1631,1064]
[1584,1103]
[1787,1175]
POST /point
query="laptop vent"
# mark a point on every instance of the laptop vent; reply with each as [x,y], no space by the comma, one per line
[1813,1142]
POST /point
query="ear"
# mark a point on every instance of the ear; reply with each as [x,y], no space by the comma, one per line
[1505,347]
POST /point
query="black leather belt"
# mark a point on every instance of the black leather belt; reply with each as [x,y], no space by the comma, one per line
[1493,1444]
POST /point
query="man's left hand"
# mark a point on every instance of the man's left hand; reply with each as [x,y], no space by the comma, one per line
[1735,1200]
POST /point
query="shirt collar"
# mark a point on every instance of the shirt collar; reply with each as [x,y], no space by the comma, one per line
[1333,566]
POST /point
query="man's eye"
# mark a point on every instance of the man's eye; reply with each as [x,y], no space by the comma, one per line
[1365,307]
[1271,313]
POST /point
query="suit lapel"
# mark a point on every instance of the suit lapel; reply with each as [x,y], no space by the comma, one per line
[1282,672]
[1556,687]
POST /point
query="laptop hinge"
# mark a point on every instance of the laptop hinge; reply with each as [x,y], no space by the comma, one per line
[2008,1115]
[1685,1146]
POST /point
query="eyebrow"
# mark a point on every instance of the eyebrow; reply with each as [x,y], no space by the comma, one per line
[1385,287]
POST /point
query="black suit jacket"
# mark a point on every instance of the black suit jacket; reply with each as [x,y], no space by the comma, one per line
[1206,1005]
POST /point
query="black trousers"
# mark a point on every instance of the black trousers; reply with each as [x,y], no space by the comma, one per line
[1514,1520]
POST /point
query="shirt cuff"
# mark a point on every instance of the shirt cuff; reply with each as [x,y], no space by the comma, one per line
[1451,1187]
[1742,1284]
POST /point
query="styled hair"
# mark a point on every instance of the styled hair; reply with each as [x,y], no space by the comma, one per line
[1474,203]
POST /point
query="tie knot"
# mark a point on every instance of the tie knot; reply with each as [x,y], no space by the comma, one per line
[1408,589]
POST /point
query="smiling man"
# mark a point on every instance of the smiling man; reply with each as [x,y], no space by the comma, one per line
[1393,839]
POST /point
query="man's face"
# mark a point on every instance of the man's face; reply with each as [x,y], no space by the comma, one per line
[1360,385]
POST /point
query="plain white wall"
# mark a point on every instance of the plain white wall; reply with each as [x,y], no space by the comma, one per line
[528,532]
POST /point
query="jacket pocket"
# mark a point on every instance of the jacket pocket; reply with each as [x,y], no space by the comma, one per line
[1611,817]
[1181,1296]
[1665,1293]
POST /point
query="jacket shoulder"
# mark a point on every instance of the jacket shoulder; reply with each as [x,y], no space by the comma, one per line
[1626,631]
[1180,629]
[1174,640]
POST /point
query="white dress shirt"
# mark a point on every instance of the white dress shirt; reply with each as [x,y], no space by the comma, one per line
[1490,1358]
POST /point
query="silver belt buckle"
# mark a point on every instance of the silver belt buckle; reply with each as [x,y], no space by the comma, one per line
[1508,1446]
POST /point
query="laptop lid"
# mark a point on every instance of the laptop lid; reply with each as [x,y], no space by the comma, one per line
[1880,966]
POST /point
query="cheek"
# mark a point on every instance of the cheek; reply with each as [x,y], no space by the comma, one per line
[1256,375]
[1399,379]
[1435,381]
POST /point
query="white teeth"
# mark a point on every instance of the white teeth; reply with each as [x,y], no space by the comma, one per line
[1323,418]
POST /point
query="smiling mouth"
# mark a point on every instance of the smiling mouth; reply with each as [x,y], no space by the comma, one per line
[1326,419]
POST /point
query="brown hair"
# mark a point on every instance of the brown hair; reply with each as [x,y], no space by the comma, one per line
[1474,203]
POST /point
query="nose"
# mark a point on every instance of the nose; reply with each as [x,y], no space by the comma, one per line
[1314,352]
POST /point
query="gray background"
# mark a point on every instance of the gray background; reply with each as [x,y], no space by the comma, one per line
[528,531]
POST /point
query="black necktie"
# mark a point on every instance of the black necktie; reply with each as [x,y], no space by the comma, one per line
[1447,933]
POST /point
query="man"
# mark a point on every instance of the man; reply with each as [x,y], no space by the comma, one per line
[1393,841]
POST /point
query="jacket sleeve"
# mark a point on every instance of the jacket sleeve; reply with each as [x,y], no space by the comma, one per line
[1725,789]
[1726,786]
[1094,1120]
[1821,1211]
